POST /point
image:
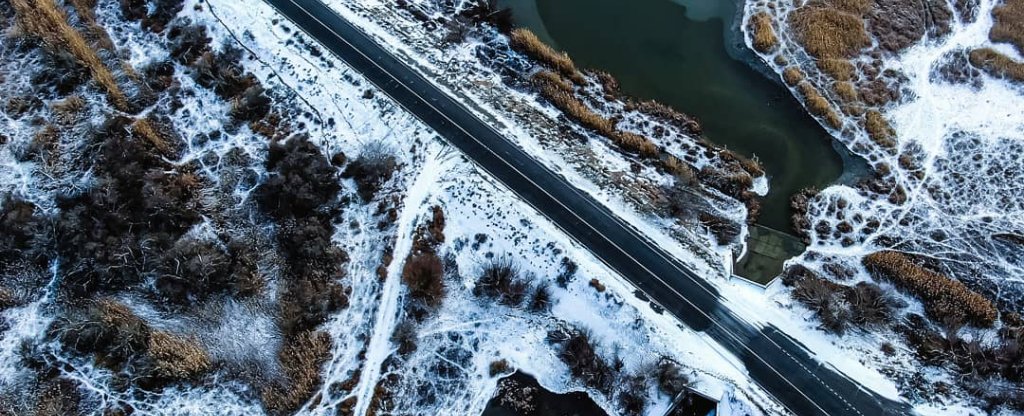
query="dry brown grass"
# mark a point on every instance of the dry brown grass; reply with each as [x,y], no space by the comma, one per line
[577,110]
[944,299]
[792,75]
[7,298]
[879,130]
[529,43]
[69,109]
[635,143]
[760,26]
[997,64]
[43,18]
[818,105]
[857,7]
[838,69]
[177,357]
[845,90]
[827,32]
[1009,24]
[301,357]
[546,77]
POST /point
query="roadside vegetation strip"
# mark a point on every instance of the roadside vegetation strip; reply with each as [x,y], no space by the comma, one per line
[43,18]
[945,299]
[529,43]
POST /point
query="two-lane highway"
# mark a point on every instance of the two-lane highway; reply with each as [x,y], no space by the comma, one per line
[776,362]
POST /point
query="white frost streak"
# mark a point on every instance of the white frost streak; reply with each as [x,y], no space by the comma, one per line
[381,346]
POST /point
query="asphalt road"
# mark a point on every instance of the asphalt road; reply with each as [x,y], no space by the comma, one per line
[779,364]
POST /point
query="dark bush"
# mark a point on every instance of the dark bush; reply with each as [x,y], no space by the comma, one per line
[541,300]
[251,105]
[193,270]
[188,42]
[405,336]
[301,180]
[155,14]
[633,396]
[671,379]
[567,272]
[579,355]
[500,280]
[371,170]
[22,229]
[423,274]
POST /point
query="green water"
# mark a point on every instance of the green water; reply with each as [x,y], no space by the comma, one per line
[685,53]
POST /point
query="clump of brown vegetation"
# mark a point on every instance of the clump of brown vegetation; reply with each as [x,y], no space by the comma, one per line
[997,64]
[818,105]
[838,69]
[760,26]
[1009,23]
[529,43]
[423,274]
[301,358]
[176,357]
[845,90]
[879,130]
[46,20]
[792,75]
[827,32]
[944,299]
[553,89]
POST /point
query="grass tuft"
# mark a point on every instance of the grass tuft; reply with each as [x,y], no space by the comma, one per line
[529,43]
[1009,24]
[997,64]
[760,26]
[827,32]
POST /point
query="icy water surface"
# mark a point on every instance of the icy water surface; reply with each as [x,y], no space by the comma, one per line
[686,54]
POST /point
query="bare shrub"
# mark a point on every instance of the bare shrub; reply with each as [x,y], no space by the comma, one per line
[828,33]
[671,379]
[301,180]
[633,394]
[579,354]
[838,306]
[541,300]
[944,299]
[154,15]
[498,367]
[529,43]
[488,11]
[374,167]
[188,43]
[405,337]
[500,280]
[423,274]
[760,26]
